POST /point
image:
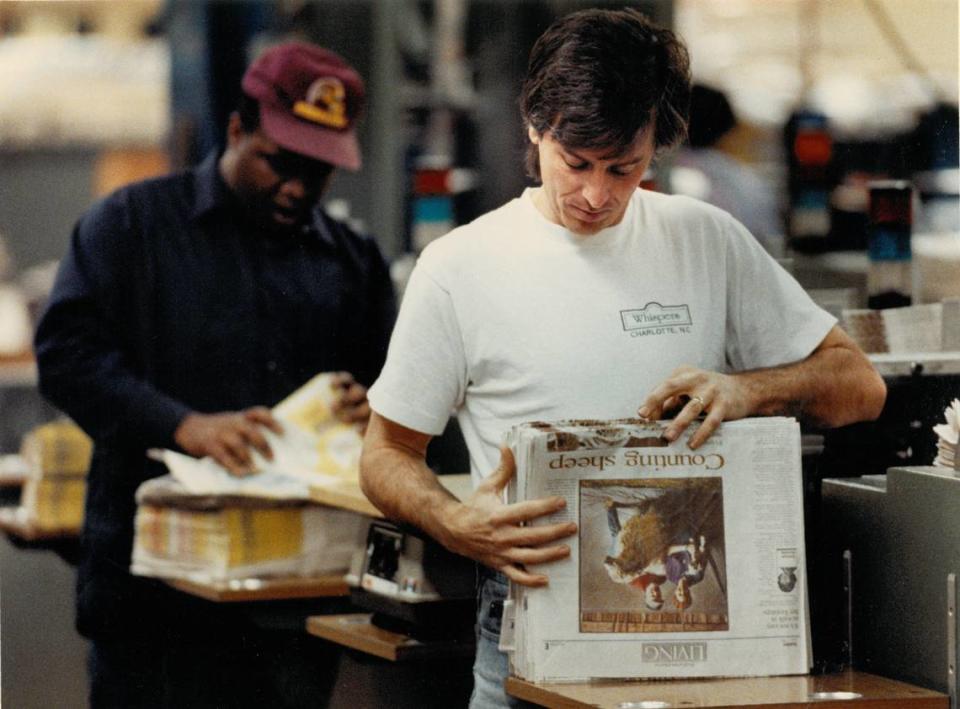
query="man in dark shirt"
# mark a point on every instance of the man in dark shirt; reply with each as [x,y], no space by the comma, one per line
[185,308]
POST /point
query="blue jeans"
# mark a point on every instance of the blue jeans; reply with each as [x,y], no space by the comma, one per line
[490,669]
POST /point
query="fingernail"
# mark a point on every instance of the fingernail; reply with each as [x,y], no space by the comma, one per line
[643,412]
[670,435]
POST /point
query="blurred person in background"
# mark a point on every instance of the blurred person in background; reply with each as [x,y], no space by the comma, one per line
[705,169]
[185,307]
[535,311]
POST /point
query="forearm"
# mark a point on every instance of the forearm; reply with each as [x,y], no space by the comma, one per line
[835,386]
[401,485]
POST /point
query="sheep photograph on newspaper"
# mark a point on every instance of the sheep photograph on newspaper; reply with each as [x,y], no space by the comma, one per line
[652,556]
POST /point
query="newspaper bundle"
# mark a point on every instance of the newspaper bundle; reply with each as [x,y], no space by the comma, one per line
[216,539]
[57,458]
[203,524]
[686,563]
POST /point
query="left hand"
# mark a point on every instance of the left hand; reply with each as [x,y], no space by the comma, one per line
[724,397]
[351,405]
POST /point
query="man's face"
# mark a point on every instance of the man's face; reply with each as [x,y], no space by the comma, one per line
[279,187]
[652,597]
[588,190]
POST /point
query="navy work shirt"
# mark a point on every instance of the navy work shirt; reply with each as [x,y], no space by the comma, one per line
[167,302]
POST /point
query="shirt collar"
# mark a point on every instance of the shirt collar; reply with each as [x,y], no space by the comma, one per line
[212,193]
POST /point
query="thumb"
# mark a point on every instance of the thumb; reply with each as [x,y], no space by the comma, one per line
[501,475]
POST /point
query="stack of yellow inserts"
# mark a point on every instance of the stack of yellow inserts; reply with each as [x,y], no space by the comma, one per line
[211,538]
[202,524]
[58,457]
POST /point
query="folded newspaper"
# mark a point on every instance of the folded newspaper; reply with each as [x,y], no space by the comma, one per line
[315,448]
[686,563]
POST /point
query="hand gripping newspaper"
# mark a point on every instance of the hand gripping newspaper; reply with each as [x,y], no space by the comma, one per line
[686,563]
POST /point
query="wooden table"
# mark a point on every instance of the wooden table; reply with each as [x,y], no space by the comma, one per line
[347,494]
[771,692]
[356,631]
[278,589]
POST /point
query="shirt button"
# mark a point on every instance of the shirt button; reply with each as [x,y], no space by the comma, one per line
[271,366]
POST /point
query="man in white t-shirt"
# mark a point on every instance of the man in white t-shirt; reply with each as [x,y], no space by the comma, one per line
[588,297]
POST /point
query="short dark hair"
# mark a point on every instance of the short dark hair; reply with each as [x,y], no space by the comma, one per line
[598,77]
[711,116]
[248,109]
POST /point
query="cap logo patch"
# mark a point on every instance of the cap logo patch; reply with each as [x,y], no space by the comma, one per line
[325,103]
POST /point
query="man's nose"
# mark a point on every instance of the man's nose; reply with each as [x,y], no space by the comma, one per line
[294,187]
[596,191]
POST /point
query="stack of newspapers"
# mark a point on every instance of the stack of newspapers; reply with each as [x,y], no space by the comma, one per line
[215,538]
[686,563]
[57,458]
[948,437]
[203,524]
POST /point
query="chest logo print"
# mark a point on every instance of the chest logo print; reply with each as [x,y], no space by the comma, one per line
[656,319]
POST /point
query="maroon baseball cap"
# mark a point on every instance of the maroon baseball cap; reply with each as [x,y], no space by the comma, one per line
[310,100]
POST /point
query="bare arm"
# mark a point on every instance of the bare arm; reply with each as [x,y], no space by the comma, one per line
[835,386]
[395,477]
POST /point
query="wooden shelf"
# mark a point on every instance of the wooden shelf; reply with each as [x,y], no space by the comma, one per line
[18,372]
[770,692]
[356,631]
[278,589]
[13,521]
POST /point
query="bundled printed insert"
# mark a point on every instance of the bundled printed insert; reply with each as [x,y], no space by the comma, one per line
[216,539]
[686,563]
[57,458]
[203,524]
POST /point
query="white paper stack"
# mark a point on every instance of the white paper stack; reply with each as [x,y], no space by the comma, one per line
[215,539]
[947,436]
[686,563]
[915,328]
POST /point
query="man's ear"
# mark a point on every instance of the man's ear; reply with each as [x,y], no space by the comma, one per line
[533,135]
[234,129]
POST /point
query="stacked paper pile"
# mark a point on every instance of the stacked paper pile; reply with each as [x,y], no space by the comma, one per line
[213,539]
[686,563]
[57,457]
[915,328]
[203,524]
[947,436]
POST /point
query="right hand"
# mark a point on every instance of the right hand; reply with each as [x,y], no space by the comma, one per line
[500,536]
[228,437]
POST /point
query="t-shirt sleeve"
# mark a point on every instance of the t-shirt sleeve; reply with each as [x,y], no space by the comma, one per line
[771,321]
[424,377]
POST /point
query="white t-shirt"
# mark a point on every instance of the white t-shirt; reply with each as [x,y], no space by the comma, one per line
[513,318]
